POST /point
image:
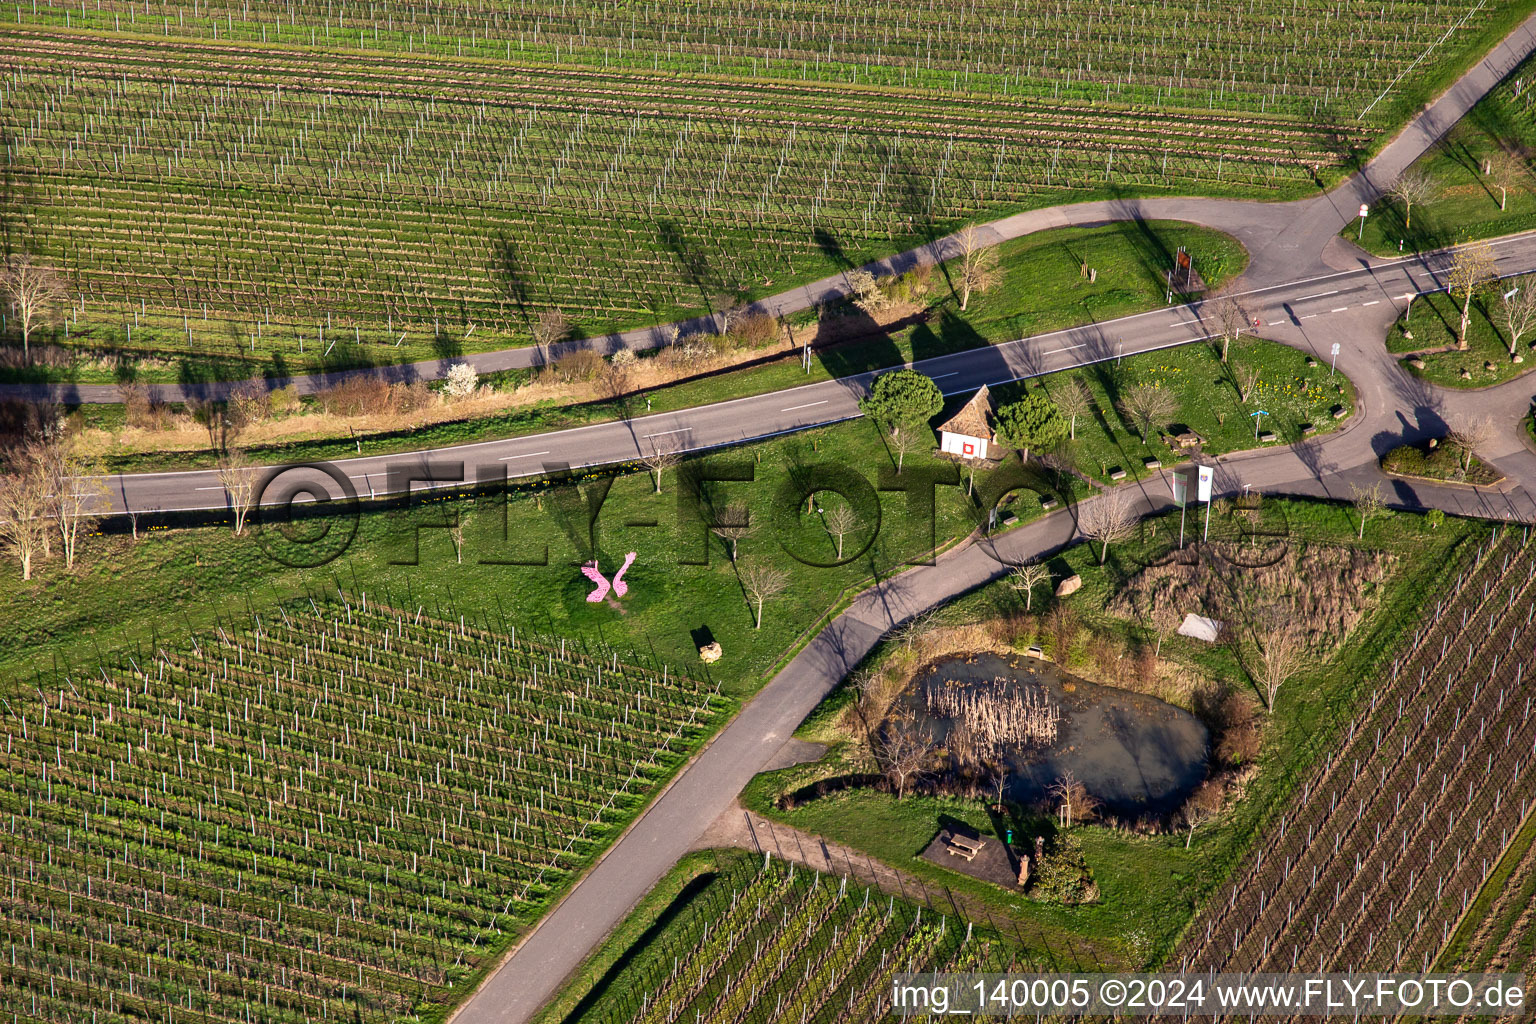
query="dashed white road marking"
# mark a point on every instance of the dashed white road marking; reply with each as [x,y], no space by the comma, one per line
[1373,302]
[1319,295]
[808,405]
[1339,310]
[1309,316]
[662,433]
[525,455]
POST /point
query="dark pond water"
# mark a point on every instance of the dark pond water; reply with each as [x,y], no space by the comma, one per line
[1138,755]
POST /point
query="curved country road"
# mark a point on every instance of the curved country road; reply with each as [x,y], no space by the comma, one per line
[1285,240]
[1311,289]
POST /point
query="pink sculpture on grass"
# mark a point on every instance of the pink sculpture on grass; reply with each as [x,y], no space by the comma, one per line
[619,587]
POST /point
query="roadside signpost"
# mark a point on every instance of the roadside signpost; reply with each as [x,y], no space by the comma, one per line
[1180,498]
[1335,365]
[1364,209]
[1257,419]
[1207,473]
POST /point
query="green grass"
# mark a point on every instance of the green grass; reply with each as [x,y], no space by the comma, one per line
[523,731]
[1293,395]
[1441,462]
[1435,321]
[1041,289]
[744,937]
[1151,884]
[1496,910]
[422,173]
[624,948]
[1467,203]
[191,573]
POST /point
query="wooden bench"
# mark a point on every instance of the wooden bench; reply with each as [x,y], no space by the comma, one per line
[962,846]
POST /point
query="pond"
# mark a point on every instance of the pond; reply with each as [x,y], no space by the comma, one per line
[1139,756]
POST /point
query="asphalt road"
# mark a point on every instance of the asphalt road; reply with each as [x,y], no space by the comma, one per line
[1311,289]
[1286,241]
[1310,313]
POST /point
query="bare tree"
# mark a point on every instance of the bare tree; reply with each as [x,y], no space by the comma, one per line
[1107,518]
[1368,504]
[1203,805]
[1468,434]
[1472,266]
[1231,321]
[734,525]
[456,534]
[74,492]
[1163,618]
[1147,403]
[23,529]
[903,441]
[1072,401]
[612,383]
[31,290]
[1073,801]
[1247,378]
[840,519]
[903,752]
[1412,188]
[551,326]
[237,475]
[1279,648]
[1508,171]
[1025,578]
[762,582]
[658,461]
[1517,313]
[978,265]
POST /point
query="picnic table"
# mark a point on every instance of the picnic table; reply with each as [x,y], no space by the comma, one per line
[962,846]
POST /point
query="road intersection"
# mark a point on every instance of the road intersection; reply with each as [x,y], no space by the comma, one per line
[1311,288]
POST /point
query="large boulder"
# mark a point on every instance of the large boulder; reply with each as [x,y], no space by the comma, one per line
[711,652]
[1070,585]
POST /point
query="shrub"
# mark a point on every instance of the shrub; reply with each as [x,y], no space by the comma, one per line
[1062,874]
[411,397]
[283,401]
[460,381]
[624,357]
[755,330]
[249,404]
[141,410]
[580,366]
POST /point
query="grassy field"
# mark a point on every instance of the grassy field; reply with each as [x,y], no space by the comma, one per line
[1150,884]
[683,580]
[733,938]
[357,806]
[1467,203]
[1041,288]
[471,845]
[1434,322]
[242,189]
[1296,393]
